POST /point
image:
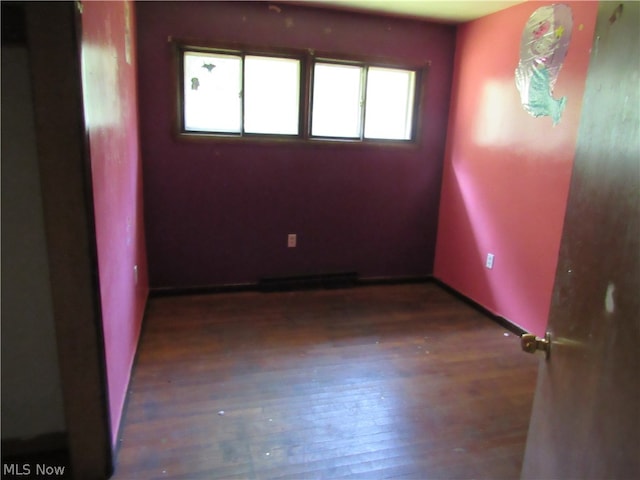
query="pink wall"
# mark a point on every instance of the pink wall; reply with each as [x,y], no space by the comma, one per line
[220,212]
[110,97]
[506,174]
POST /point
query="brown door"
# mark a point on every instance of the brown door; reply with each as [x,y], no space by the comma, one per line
[586,414]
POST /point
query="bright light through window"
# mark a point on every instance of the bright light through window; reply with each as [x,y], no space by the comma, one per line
[337,98]
[389,110]
[238,93]
[271,95]
[212,92]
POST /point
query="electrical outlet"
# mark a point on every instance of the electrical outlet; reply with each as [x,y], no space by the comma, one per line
[489,262]
[292,240]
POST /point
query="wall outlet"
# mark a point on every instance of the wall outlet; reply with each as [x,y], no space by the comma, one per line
[292,240]
[489,262]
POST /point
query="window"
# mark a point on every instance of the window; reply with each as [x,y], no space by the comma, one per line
[344,108]
[337,100]
[272,95]
[243,94]
[389,103]
[212,93]
[235,94]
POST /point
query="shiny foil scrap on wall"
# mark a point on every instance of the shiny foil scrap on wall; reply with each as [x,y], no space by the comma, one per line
[543,47]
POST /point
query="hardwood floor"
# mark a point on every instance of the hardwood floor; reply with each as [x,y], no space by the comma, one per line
[402,381]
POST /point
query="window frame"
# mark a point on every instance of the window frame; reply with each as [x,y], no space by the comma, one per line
[307,59]
[242,53]
[364,78]
[362,100]
[410,103]
[300,99]
[182,93]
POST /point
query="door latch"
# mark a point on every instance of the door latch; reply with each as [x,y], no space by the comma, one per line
[531,344]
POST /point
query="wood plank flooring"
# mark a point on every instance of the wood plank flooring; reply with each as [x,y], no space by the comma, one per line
[402,381]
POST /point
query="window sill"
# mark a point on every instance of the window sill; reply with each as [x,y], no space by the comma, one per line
[279,140]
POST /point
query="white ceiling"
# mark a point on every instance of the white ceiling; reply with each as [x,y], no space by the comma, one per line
[449,11]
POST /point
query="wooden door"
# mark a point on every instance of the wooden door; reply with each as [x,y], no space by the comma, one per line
[52,33]
[586,414]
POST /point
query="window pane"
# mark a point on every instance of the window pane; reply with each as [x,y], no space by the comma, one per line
[389,109]
[271,95]
[212,89]
[337,94]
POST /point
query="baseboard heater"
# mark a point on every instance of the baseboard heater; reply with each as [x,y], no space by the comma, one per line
[307,282]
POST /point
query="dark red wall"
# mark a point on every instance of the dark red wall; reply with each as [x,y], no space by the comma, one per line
[219,212]
[111,116]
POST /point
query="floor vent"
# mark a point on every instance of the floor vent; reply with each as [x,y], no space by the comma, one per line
[307,282]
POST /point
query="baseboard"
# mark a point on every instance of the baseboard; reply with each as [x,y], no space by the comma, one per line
[202,289]
[395,280]
[294,282]
[503,322]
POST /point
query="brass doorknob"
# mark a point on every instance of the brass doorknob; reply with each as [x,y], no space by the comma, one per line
[531,344]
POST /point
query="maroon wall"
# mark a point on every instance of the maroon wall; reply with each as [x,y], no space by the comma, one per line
[219,212]
[111,116]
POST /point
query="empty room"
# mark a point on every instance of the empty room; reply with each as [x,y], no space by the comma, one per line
[320,239]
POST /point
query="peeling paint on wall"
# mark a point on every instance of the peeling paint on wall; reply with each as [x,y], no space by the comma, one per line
[127,32]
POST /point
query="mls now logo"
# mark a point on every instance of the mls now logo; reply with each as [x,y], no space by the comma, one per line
[23,469]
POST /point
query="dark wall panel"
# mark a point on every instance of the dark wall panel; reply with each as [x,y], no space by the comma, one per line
[220,212]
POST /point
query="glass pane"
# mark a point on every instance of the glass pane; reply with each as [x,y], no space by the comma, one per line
[389,110]
[337,94]
[271,95]
[212,92]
